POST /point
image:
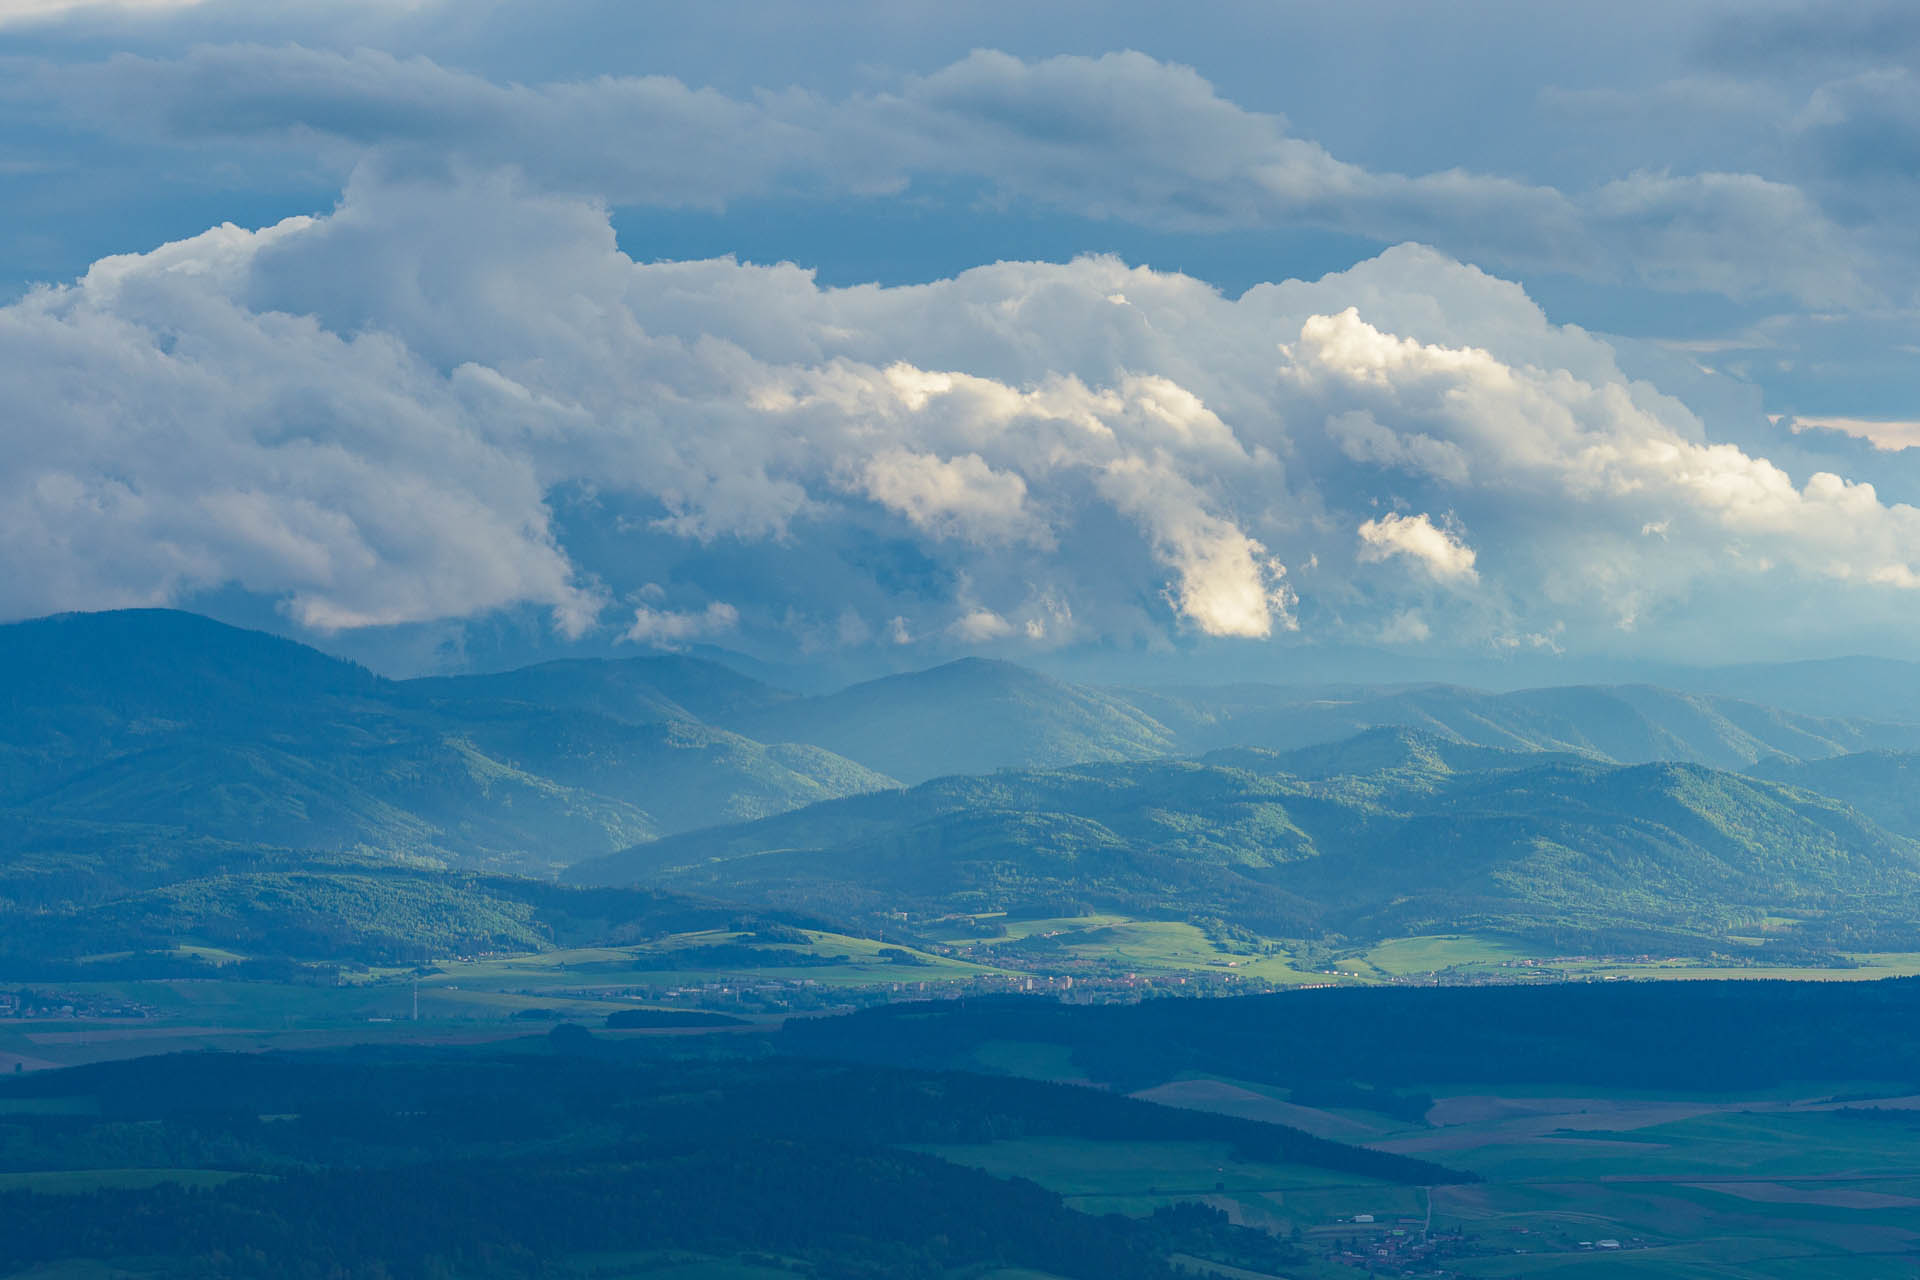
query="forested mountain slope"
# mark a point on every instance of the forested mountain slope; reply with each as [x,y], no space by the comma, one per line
[1422,835]
[137,739]
[1884,785]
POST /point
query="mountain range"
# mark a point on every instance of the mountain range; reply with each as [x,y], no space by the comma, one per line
[169,720]
[145,750]
[1395,832]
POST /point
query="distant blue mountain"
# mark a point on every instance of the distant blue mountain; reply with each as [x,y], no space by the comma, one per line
[170,720]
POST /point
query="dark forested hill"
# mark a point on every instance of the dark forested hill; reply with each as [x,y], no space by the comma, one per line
[1420,834]
[1703,1037]
[574,1156]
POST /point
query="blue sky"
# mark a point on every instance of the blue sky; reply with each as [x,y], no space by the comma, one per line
[449,334]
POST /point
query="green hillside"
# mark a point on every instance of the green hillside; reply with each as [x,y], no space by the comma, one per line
[1422,835]
[166,777]
[267,905]
[1884,785]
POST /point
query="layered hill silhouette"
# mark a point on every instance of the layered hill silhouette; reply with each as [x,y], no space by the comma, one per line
[1629,724]
[974,715]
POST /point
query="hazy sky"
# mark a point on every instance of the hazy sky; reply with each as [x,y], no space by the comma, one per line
[874,333]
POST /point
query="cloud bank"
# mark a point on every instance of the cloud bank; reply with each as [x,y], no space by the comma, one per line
[1122,136]
[449,397]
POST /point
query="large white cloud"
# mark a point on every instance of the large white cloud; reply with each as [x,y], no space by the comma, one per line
[1439,552]
[374,416]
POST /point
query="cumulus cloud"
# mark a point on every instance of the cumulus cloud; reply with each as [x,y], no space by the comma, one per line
[664,628]
[1888,435]
[1436,551]
[1362,438]
[163,436]
[1408,627]
[445,398]
[1226,582]
[979,626]
[953,498]
[1121,136]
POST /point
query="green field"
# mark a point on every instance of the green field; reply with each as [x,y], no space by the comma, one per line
[1411,957]
[480,997]
[475,997]
[1764,1186]
[1109,945]
[1788,1185]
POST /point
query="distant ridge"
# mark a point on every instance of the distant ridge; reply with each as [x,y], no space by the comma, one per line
[159,719]
[1626,723]
[969,716]
[640,690]
[1398,750]
[1869,688]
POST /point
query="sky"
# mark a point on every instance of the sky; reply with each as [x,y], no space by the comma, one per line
[1254,339]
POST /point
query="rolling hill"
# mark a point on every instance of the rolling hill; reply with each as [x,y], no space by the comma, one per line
[1424,835]
[284,909]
